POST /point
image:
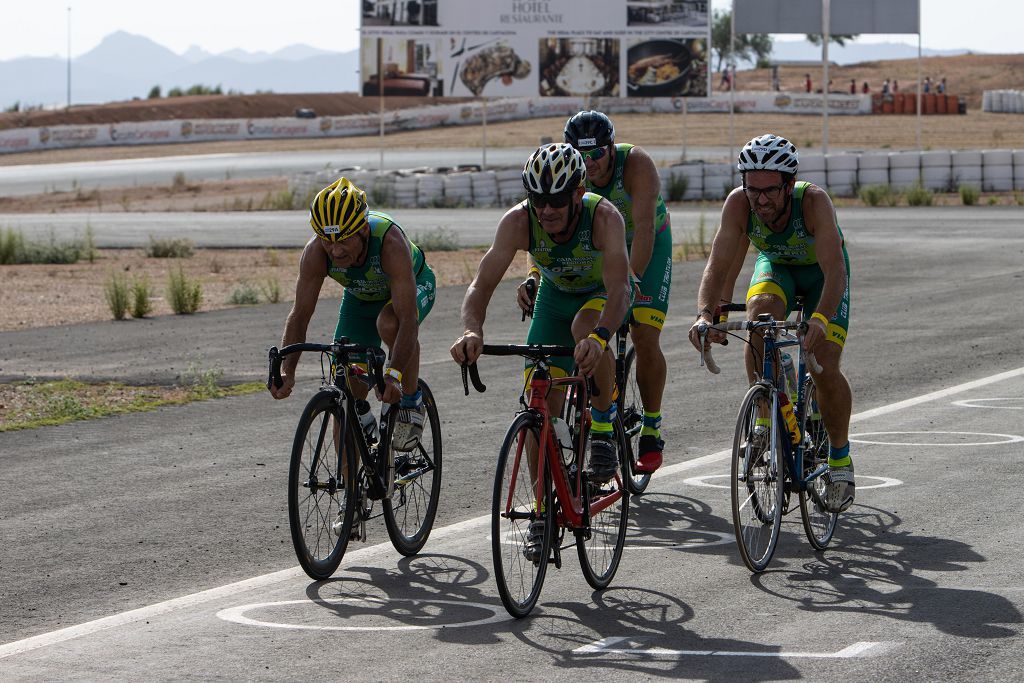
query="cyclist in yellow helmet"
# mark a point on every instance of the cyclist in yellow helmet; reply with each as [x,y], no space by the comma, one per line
[389,290]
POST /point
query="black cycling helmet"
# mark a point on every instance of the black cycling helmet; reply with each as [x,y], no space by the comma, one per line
[589,129]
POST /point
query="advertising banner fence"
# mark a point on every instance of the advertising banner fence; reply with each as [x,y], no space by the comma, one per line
[536,48]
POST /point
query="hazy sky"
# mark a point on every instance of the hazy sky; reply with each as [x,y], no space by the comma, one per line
[40,27]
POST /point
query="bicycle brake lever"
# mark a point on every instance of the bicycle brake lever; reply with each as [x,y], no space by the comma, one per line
[531,291]
[274,374]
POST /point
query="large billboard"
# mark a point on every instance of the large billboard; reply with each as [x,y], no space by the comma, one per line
[535,48]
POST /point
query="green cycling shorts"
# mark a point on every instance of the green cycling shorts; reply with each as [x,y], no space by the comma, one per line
[357,319]
[650,307]
[788,282]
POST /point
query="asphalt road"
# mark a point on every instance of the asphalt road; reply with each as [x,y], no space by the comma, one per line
[156,544]
[22,179]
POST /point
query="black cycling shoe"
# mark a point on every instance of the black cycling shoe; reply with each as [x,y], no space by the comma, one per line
[534,541]
[603,459]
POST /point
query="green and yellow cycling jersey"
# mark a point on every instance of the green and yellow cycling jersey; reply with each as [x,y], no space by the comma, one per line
[794,246]
[575,266]
[615,192]
[369,282]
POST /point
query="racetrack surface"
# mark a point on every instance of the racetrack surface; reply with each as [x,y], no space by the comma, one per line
[181,504]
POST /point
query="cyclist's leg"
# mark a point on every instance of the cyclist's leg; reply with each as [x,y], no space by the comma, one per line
[650,310]
[835,399]
[357,321]
[553,312]
[772,291]
[411,414]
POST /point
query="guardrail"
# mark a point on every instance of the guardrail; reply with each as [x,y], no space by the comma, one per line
[842,174]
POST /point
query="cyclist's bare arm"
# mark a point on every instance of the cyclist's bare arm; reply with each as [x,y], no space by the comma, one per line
[819,216]
[728,251]
[312,271]
[641,181]
[511,236]
[610,238]
[396,262]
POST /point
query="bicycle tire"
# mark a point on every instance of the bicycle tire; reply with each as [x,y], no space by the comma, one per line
[819,523]
[409,512]
[756,482]
[318,496]
[519,577]
[600,550]
[631,412]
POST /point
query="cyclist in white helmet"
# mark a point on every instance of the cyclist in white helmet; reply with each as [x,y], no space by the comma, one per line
[577,241]
[801,249]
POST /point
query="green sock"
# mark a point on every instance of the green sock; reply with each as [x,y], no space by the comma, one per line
[839,457]
[652,424]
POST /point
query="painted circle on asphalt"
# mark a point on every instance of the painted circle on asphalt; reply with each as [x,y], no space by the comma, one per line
[883,482]
[990,403]
[965,439]
[419,607]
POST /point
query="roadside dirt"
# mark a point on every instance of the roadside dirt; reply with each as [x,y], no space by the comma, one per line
[47,295]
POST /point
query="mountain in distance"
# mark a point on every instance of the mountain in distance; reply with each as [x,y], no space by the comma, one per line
[853,52]
[125,66]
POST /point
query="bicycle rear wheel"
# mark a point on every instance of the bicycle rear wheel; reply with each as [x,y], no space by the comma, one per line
[321,500]
[756,481]
[519,568]
[409,512]
[631,412]
[819,523]
[600,546]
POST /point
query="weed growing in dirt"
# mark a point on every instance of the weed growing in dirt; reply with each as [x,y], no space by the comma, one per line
[184,293]
[677,186]
[15,249]
[919,196]
[876,195]
[244,295]
[969,195]
[271,290]
[278,201]
[90,243]
[142,294]
[179,183]
[272,257]
[169,248]
[116,292]
[1018,198]
[437,239]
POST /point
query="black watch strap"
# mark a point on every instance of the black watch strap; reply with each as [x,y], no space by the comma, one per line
[603,333]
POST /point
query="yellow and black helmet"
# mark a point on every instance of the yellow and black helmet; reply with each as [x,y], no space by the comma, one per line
[338,211]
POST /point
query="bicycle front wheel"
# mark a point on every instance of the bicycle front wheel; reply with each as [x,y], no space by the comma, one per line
[409,512]
[600,546]
[819,523]
[756,481]
[520,561]
[321,488]
[632,413]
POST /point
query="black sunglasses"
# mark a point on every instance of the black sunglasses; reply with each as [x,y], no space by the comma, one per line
[555,201]
[595,154]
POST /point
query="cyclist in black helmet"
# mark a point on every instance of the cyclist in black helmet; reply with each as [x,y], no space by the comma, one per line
[626,176]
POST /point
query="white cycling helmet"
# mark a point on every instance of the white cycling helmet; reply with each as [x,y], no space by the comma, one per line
[554,168]
[768,152]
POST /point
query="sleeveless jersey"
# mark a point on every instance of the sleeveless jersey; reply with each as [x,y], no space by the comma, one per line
[575,266]
[794,246]
[369,282]
[615,192]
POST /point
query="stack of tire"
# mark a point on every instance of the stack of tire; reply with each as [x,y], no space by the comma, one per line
[429,190]
[873,169]
[718,180]
[966,168]
[405,190]
[458,189]
[510,186]
[1018,170]
[937,170]
[485,188]
[812,169]
[841,174]
[904,170]
[997,170]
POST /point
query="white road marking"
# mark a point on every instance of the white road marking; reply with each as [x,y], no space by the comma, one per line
[884,482]
[603,646]
[142,613]
[970,403]
[237,614]
[1006,438]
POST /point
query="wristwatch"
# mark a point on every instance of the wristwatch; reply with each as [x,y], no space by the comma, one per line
[603,333]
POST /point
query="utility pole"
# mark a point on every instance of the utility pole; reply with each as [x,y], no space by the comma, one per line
[69,58]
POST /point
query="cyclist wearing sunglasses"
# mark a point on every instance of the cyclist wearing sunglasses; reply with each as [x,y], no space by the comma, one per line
[626,176]
[801,249]
[577,242]
[389,290]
